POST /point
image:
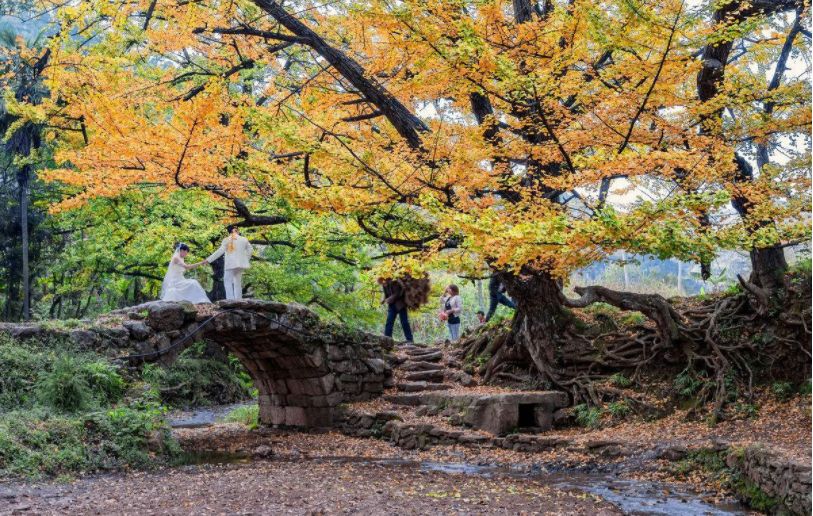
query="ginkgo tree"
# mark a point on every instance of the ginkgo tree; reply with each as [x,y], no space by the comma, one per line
[527,138]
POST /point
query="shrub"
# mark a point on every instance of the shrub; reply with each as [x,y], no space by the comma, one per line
[619,409]
[104,381]
[36,443]
[805,388]
[248,415]
[65,388]
[601,308]
[782,390]
[586,416]
[633,319]
[194,381]
[21,368]
[619,380]
[688,383]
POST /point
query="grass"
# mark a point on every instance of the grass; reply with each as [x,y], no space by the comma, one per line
[37,442]
[64,412]
[248,415]
[586,416]
[713,465]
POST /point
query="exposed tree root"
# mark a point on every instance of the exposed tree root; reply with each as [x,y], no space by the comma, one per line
[723,342]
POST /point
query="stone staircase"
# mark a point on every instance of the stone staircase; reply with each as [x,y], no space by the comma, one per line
[428,382]
[426,369]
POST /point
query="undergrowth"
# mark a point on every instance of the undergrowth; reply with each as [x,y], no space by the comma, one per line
[64,411]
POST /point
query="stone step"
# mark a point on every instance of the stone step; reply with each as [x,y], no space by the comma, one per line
[421,350]
[421,386]
[420,365]
[436,376]
[435,356]
[464,379]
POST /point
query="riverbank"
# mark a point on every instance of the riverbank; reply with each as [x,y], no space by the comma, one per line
[229,468]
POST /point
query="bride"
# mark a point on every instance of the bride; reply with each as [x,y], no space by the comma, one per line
[178,288]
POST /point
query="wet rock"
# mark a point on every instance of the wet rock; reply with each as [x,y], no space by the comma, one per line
[672,452]
[262,451]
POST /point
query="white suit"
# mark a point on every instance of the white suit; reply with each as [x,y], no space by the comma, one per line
[237,261]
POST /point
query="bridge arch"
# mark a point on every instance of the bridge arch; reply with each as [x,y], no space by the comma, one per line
[303,367]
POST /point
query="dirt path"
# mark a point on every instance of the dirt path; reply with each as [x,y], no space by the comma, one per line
[284,487]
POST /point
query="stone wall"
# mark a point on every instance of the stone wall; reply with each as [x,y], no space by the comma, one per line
[780,478]
[302,366]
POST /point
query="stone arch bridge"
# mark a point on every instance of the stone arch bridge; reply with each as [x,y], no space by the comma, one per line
[302,367]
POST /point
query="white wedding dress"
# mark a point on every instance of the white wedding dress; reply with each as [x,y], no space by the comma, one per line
[178,288]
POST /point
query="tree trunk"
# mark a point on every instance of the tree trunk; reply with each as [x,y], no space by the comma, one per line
[218,291]
[768,267]
[22,179]
[539,318]
[408,125]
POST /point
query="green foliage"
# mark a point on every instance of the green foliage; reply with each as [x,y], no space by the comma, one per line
[36,442]
[733,290]
[586,416]
[195,380]
[64,412]
[713,464]
[21,367]
[65,388]
[753,496]
[633,319]
[601,308]
[801,266]
[619,380]
[805,388]
[688,383]
[745,410]
[619,409]
[782,390]
[105,382]
[74,384]
[248,415]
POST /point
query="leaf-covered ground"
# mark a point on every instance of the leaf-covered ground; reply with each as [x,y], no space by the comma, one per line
[284,487]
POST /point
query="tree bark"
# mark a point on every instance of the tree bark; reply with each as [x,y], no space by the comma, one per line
[768,264]
[408,125]
[539,319]
[218,291]
[23,180]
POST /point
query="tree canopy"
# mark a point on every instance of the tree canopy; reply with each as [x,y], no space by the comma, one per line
[495,129]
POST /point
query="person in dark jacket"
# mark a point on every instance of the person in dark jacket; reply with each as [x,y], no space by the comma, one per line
[395,298]
[496,296]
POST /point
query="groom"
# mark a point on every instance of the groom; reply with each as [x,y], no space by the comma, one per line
[237,249]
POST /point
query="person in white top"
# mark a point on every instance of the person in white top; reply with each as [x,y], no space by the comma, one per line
[237,250]
[178,288]
[451,305]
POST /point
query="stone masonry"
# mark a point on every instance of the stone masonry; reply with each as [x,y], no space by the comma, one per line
[785,480]
[302,367]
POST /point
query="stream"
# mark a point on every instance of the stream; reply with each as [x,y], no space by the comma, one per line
[631,496]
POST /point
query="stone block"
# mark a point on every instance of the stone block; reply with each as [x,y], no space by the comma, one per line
[166,316]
